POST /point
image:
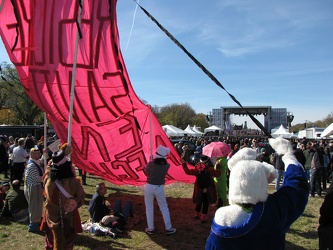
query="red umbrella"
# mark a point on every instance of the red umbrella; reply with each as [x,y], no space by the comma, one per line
[216,149]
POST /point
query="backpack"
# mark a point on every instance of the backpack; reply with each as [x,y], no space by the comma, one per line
[203,179]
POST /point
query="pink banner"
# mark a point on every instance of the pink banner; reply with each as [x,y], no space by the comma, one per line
[111,130]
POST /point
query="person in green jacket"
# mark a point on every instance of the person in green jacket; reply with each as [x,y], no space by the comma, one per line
[221,181]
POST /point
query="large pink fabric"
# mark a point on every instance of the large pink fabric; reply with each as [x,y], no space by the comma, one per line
[113,133]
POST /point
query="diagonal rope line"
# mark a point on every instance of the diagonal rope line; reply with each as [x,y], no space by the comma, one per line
[126,85]
[130,34]
[203,68]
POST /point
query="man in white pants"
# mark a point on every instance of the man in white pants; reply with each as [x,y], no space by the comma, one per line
[155,172]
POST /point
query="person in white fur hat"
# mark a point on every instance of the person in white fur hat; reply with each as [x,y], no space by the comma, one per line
[254,219]
[156,171]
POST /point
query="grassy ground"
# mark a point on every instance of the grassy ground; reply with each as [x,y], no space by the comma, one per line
[191,234]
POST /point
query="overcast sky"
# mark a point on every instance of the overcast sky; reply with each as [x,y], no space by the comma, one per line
[265,53]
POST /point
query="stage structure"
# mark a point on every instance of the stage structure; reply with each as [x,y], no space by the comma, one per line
[273,117]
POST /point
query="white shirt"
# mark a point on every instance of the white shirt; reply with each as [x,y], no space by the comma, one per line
[20,155]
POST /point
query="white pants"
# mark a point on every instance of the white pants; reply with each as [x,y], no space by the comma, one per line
[151,191]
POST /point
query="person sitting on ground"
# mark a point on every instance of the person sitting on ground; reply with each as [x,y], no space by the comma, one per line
[3,191]
[101,211]
[15,204]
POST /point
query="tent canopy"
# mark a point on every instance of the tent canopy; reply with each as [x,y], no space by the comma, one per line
[281,132]
[195,129]
[327,131]
[171,130]
[190,131]
[212,128]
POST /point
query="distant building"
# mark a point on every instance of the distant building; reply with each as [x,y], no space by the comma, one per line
[273,117]
[217,119]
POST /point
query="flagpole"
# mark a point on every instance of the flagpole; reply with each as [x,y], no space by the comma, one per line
[151,133]
[72,95]
[45,141]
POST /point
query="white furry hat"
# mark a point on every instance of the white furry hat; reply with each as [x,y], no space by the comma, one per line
[249,178]
[161,152]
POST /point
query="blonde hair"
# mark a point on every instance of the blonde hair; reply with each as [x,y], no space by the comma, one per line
[33,150]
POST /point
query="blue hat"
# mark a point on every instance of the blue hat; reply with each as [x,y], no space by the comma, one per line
[263,150]
[5,183]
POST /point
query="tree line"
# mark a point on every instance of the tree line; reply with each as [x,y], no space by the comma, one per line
[16,108]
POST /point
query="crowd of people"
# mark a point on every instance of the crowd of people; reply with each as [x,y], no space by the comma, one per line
[315,155]
[52,194]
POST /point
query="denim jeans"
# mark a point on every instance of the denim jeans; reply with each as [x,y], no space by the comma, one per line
[127,211]
[278,179]
[315,181]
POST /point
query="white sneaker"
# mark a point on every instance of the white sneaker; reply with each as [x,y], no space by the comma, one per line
[151,232]
[171,231]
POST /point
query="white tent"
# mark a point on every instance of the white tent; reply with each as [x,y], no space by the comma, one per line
[212,128]
[195,129]
[281,132]
[190,131]
[171,130]
[327,131]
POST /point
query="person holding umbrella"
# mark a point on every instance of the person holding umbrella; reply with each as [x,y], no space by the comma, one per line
[220,152]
